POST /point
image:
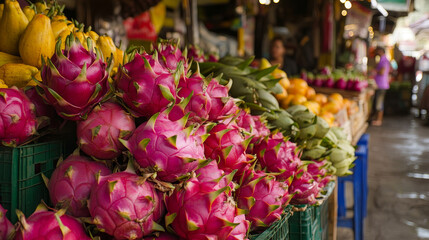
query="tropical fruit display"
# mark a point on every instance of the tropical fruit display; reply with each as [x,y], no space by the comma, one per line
[172,144]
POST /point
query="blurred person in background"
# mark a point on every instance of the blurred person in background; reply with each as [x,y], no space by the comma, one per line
[382,80]
[278,57]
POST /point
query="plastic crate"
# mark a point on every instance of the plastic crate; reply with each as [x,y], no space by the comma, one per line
[21,183]
[311,222]
[278,231]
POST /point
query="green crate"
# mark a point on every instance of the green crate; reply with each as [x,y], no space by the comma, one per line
[311,222]
[278,231]
[21,168]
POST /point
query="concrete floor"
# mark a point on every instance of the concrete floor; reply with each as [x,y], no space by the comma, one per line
[398,179]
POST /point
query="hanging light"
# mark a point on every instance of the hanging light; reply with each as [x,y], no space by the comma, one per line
[267,2]
[262,1]
[342,1]
[344,13]
[348,4]
[276,1]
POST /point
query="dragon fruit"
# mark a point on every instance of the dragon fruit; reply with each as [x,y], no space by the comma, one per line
[7,229]
[44,111]
[213,57]
[166,147]
[74,80]
[217,178]
[304,188]
[263,197]
[319,171]
[17,117]
[227,145]
[222,105]
[44,224]
[98,136]
[240,231]
[199,104]
[125,206]
[71,183]
[145,87]
[196,53]
[278,155]
[197,211]
[162,236]
[254,125]
[170,55]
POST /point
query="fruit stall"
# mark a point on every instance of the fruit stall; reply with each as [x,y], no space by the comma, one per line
[102,142]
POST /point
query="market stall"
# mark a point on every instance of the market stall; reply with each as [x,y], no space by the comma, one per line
[103,142]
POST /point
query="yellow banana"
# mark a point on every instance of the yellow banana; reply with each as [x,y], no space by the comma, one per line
[37,41]
[12,26]
[17,74]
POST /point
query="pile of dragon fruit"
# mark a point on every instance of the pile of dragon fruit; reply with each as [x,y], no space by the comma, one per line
[164,153]
[337,78]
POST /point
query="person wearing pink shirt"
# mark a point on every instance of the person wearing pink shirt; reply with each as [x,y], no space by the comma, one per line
[382,80]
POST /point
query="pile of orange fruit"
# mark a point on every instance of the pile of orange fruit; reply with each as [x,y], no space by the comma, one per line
[297,92]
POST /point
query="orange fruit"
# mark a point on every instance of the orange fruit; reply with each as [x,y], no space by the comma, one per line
[320,98]
[282,95]
[284,82]
[310,93]
[284,103]
[313,106]
[298,86]
[329,117]
[298,100]
[336,97]
[332,107]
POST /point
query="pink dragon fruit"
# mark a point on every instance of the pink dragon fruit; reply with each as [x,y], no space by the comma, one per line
[166,147]
[278,155]
[170,55]
[44,224]
[263,197]
[44,111]
[217,178]
[7,229]
[74,80]
[240,231]
[222,104]
[198,212]
[227,145]
[163,236]
[319,171]
[304,188]
[98,136]
[125,206]
[17,117]
[144,87]
[254,125]
[213,57]
[196,53]
[199,104]
[71,183]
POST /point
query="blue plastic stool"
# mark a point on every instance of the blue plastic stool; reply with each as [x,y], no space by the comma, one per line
[360,191]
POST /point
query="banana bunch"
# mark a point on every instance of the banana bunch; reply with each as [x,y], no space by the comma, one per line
[319,141]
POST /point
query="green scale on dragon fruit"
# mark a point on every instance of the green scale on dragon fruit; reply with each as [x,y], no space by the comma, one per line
[71,182]
[45,113]
[7,230]
[277,155]
[165,146]
[98,135]
[70,71]
[44,224]
[126,206]
[200,210]
[17,117]
[145,86]
[263,198]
